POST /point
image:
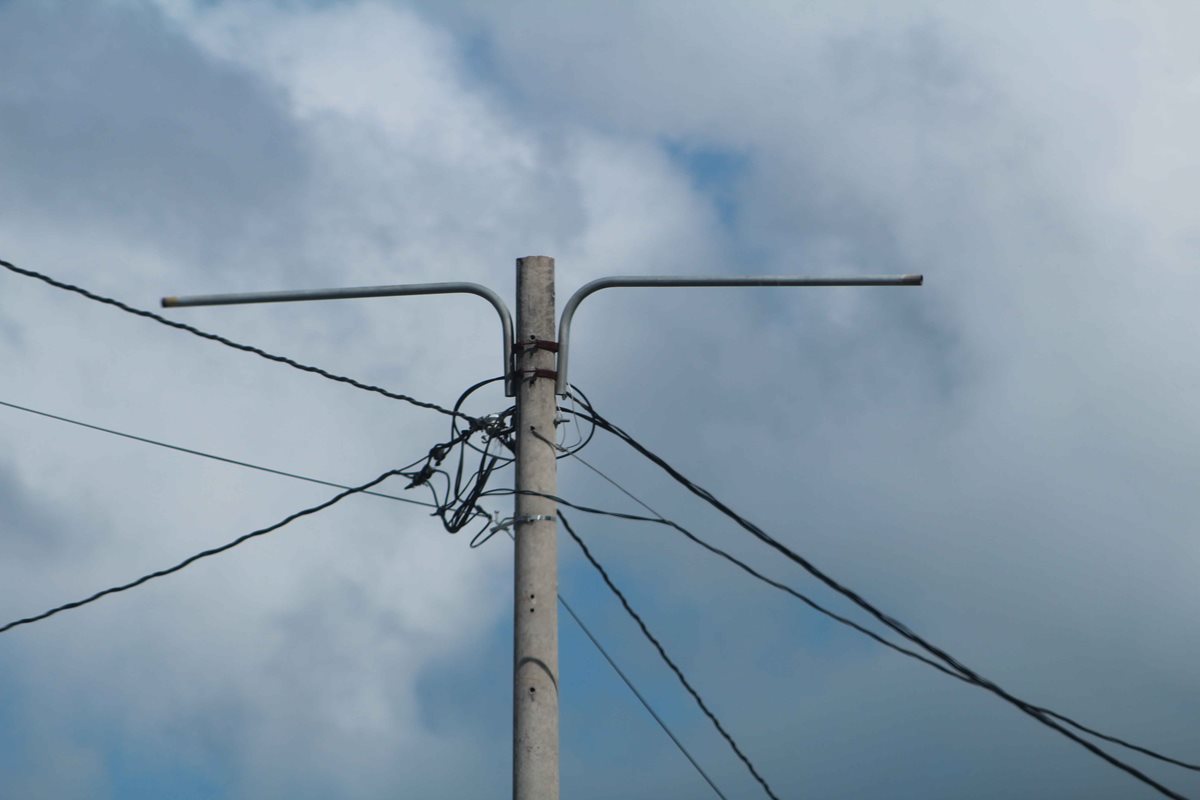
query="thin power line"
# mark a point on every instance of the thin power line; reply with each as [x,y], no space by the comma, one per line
[614,483]
[203,554]
[574,453]
[222,340]
[667,659]
[1033,711]
[641,699]
[211,456]
[571,612]
[629,683]
[660,519]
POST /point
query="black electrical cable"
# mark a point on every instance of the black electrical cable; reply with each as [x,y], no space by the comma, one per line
[666,658]
[1033,711]
[221,339]
[495,423]
[455,510]
[749,570]
[611,481]
[645,703]
[562,601]
[582,440]
[203,554]
[660,519]
[416,477]
[629,683]
[211,456]
[463,490]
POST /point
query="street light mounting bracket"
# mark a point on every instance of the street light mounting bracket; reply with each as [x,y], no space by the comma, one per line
[662,281]
[355,293]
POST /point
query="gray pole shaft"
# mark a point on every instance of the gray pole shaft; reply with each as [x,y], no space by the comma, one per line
[535,628]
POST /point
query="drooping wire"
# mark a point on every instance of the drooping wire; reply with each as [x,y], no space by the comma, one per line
[220,339]
[562,600]
[416,477]
[842,620]
[666,658]
[645,704]
[1033,711]
[458,505]
[559,421]
[657,519]
[201,555]
[660,519]
[616,485]
[211,456]
[582,440]
[454,501]
[496,423]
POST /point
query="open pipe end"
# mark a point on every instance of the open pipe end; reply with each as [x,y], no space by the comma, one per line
[915,280]
[169,302]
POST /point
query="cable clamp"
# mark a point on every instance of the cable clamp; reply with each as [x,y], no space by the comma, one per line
[525,518]
[521,348]
[421,477]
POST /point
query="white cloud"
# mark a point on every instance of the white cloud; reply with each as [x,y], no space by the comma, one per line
[297,659]
[1002,457]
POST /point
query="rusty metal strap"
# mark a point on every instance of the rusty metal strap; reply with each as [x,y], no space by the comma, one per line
[534,344]
[533,374]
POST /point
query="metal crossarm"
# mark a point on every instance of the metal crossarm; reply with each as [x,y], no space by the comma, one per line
[355,293]
[661,281]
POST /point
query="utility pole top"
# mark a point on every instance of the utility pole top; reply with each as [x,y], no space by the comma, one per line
[535,369]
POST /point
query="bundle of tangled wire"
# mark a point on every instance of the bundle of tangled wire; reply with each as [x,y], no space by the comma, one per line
[457,471]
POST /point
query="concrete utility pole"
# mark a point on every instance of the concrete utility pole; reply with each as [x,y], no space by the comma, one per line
[535,621]
[536,366]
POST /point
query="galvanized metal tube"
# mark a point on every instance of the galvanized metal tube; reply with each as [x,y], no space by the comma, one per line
[359,292]
[651,281]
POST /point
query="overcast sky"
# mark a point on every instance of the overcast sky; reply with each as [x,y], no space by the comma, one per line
[1005,459]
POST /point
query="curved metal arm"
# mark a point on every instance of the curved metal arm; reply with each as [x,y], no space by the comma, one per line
[564,325]
[479,290]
